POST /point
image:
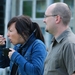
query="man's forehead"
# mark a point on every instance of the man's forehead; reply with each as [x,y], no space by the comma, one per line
[48,11]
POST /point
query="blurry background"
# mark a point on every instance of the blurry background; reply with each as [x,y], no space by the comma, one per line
[33,8]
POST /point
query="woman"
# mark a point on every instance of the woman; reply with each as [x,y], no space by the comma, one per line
[29,50]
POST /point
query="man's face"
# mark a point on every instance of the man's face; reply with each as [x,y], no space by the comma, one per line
[49,20]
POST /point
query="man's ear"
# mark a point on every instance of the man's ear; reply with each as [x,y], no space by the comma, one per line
[58,19]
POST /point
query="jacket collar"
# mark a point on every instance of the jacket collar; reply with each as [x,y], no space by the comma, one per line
[30,40]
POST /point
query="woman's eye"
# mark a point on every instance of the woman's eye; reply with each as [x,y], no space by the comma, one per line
[10,30]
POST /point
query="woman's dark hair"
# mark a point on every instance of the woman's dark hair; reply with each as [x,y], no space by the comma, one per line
[25,26]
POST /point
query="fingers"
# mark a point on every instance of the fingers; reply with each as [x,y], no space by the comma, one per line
[2,40]
[11,52]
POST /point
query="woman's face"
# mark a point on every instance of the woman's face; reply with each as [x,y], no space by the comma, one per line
[13,36]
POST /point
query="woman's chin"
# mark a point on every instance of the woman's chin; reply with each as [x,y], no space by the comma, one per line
[46,30]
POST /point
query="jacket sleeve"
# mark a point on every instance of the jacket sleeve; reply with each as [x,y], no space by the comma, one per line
[4,60]
[33,64]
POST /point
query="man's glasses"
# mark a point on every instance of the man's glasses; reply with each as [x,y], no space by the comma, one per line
[45,16]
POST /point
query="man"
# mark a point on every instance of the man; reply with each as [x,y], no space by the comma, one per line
[61,56]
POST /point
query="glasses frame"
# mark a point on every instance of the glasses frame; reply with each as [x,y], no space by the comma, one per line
[45,16]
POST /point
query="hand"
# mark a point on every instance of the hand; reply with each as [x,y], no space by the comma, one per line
[11,52]
[73,74]
[2,40]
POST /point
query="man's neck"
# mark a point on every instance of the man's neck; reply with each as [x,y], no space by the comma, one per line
[60,31]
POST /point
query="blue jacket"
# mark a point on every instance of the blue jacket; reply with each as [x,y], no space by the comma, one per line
[30,62]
